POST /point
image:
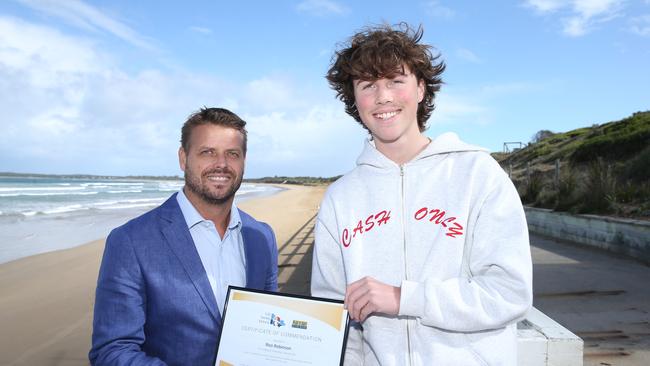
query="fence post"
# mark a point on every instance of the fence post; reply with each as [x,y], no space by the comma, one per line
[556,182]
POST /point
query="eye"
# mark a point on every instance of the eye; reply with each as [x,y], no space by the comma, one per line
[364,85]
[234,154]
[207,152]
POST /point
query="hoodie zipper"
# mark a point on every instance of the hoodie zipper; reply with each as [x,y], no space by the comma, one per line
[406,274]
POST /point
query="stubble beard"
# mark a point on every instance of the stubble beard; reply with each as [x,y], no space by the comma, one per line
[194,184]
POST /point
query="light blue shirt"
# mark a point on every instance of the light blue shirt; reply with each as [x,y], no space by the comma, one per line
[224,260]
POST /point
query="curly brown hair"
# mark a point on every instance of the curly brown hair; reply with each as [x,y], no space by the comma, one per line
[382,52]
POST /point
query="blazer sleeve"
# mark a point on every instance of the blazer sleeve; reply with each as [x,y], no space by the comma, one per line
[271,283]
[120,301]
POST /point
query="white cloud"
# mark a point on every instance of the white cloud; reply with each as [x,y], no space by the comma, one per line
[322,141]
[67,105]
[641,25]
[546,5]
[579,17]
[271,93]
[435,9]
[68,108]
[453,108]
[468,56]
[475,105]
[202,30]
[82,15]
[322,8]
[50,57]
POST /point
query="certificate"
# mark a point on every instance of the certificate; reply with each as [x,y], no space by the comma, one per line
[267,328]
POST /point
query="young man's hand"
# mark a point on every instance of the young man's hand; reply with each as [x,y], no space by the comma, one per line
[367,296]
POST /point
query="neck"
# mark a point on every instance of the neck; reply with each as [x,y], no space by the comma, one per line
[218,213]
[402,151]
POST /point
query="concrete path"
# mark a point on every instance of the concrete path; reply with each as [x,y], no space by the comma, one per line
[603,298]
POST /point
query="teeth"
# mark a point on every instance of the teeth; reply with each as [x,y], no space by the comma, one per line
[386,115]
[218,179]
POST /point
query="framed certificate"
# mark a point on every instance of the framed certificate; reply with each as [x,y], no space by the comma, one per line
[268,328]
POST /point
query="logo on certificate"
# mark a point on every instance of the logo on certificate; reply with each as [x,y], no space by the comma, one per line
[300,324]
[272,319]
[276,320]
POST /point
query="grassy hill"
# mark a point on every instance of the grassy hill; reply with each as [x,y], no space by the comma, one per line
[601,169]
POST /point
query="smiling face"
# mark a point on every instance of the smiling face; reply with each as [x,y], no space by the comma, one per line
[388,107]
[213,164]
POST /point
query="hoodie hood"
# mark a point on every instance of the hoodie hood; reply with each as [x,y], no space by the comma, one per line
[445,143]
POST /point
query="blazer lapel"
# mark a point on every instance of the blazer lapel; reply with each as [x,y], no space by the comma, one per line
[180,241]
[255,264]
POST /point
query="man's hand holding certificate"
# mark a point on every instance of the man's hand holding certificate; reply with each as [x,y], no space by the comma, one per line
[264,328]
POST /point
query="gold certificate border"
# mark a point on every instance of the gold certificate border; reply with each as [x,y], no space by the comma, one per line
[329,313]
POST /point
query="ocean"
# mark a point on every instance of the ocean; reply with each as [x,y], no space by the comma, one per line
[42,214]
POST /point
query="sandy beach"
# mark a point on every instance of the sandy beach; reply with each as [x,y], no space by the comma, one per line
[47,299]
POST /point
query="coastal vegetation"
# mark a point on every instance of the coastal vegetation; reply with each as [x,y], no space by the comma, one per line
[602,169]
[307,181]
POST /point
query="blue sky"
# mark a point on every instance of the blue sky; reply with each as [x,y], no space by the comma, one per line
[103,87]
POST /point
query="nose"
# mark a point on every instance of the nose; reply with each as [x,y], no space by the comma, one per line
[220,161]
[384,95]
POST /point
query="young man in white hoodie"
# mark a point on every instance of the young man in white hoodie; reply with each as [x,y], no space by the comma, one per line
[426,241]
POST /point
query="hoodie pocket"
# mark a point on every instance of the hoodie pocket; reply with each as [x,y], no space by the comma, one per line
[384,346]
[477,356]
[493,347]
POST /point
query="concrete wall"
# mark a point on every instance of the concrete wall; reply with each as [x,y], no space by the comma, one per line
[543,342]
[629,237]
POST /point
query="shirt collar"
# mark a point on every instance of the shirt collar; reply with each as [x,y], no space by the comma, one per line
[193,217]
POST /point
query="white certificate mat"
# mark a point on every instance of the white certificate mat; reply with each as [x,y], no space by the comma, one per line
[266,328]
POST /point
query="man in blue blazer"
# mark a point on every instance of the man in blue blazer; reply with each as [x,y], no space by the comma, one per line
[164,275]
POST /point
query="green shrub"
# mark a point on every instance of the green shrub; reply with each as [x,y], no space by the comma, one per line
[615,140]
[567,194]
[617,146]
[533,187]
[638,169]
[599,189]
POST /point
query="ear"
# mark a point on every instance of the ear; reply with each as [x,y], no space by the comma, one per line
[181,158]
[420,90]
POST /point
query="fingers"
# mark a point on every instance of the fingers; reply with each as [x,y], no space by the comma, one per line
[360,309]
[368,307]
[354,298]
[359,304]
[367,296]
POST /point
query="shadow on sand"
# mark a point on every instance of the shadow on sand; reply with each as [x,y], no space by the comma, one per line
[294,261]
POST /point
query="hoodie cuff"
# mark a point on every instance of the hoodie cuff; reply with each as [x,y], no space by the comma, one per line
[411,302]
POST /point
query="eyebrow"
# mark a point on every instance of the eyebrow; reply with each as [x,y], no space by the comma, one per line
[208,147]
[397,74]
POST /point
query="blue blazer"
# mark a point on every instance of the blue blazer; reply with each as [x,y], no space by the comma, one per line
[154,304]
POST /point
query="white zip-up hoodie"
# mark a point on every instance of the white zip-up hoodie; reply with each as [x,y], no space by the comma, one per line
[449,229]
